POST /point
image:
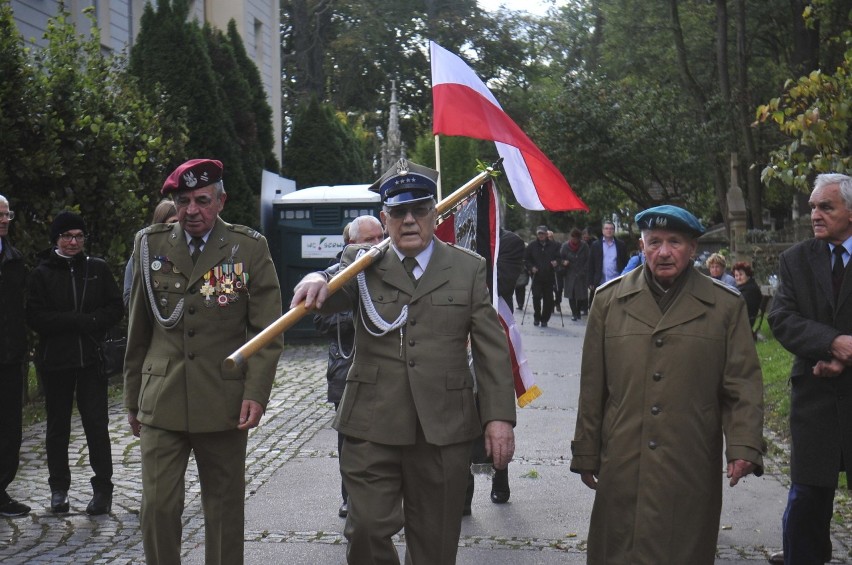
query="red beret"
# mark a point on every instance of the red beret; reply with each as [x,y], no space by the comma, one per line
[195,173]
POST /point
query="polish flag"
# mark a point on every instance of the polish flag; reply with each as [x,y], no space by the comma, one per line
[464,106]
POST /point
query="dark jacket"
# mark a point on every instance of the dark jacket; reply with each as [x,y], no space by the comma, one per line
[339,328]
[753,296]
[72,303]
[596,255]
[510,263]
[13,280]
[805,318]
[539,255]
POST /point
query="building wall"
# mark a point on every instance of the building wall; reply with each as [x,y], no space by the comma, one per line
[118,20]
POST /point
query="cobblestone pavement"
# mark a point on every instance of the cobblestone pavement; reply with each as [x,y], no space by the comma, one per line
[296,411]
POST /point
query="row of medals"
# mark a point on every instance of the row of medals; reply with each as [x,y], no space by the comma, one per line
[222,284]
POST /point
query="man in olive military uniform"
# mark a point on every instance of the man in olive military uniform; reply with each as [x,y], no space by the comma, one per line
[408,413]
[201,289]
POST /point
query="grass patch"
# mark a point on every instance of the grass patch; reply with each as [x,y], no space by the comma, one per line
[775,361]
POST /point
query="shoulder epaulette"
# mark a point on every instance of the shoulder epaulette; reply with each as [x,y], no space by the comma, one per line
[609,283]
[244,230]
[466,250]
[729,288]
[157,228]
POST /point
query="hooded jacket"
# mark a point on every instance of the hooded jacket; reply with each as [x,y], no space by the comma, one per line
[72,303]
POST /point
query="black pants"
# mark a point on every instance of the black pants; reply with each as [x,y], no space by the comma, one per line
[340,437]
[11,399]
[520,294]
[92,403]
[542,296]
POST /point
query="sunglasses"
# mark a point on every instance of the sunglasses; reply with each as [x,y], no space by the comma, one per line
[400,212]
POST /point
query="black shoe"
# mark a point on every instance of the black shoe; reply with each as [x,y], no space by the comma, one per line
[776,558]
[343,511]
[101,504]
[500,491]
[574,318]
[59,501]
[558,308]
[535,322]
[544,324]
[13,509]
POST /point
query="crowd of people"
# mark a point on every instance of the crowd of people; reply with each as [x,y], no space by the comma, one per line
[419,370]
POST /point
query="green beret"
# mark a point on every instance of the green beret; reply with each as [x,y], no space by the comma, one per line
[668,217]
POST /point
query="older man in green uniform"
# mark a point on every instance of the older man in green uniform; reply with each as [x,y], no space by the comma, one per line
[408,413]
[201,289]
[669,366]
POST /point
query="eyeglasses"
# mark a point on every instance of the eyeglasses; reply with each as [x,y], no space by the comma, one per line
[67,237]
[7,215]
[400,212]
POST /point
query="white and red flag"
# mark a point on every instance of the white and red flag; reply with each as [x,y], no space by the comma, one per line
[463,106]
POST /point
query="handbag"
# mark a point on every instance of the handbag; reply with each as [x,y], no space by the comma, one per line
[111,351]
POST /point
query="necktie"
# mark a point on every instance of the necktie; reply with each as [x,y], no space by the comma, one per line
[197,242]
[409,263]
[838,269]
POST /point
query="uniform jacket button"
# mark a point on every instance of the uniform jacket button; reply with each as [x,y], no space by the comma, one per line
[413,322]
[659,342]
[411,342]
[191,333]
[655,410]
[411,363]
[191,356]
[652,444]
[191,310]
[657,376]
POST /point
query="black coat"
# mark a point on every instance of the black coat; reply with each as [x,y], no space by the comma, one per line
[540,255]
[72,303]
[510,263]
[13,281]
[805,319]
[753,296]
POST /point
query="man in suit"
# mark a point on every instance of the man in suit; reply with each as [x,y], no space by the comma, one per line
[811,316]
[408,410]
[201,289]
[607,258]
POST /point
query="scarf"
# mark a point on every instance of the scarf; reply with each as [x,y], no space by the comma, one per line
[663,297]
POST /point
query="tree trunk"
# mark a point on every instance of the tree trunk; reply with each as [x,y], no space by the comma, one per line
[697,93]
[805,57]
[754,189]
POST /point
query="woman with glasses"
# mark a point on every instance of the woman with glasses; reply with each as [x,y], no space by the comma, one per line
[73,301]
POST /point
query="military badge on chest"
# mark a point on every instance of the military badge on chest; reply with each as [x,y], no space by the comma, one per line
[224,283]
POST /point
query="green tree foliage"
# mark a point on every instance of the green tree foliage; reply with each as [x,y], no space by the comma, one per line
[89,142]
[201,76]
[323,149]
[815,115]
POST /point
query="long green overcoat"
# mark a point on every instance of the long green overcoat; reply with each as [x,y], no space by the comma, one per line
[657,394]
